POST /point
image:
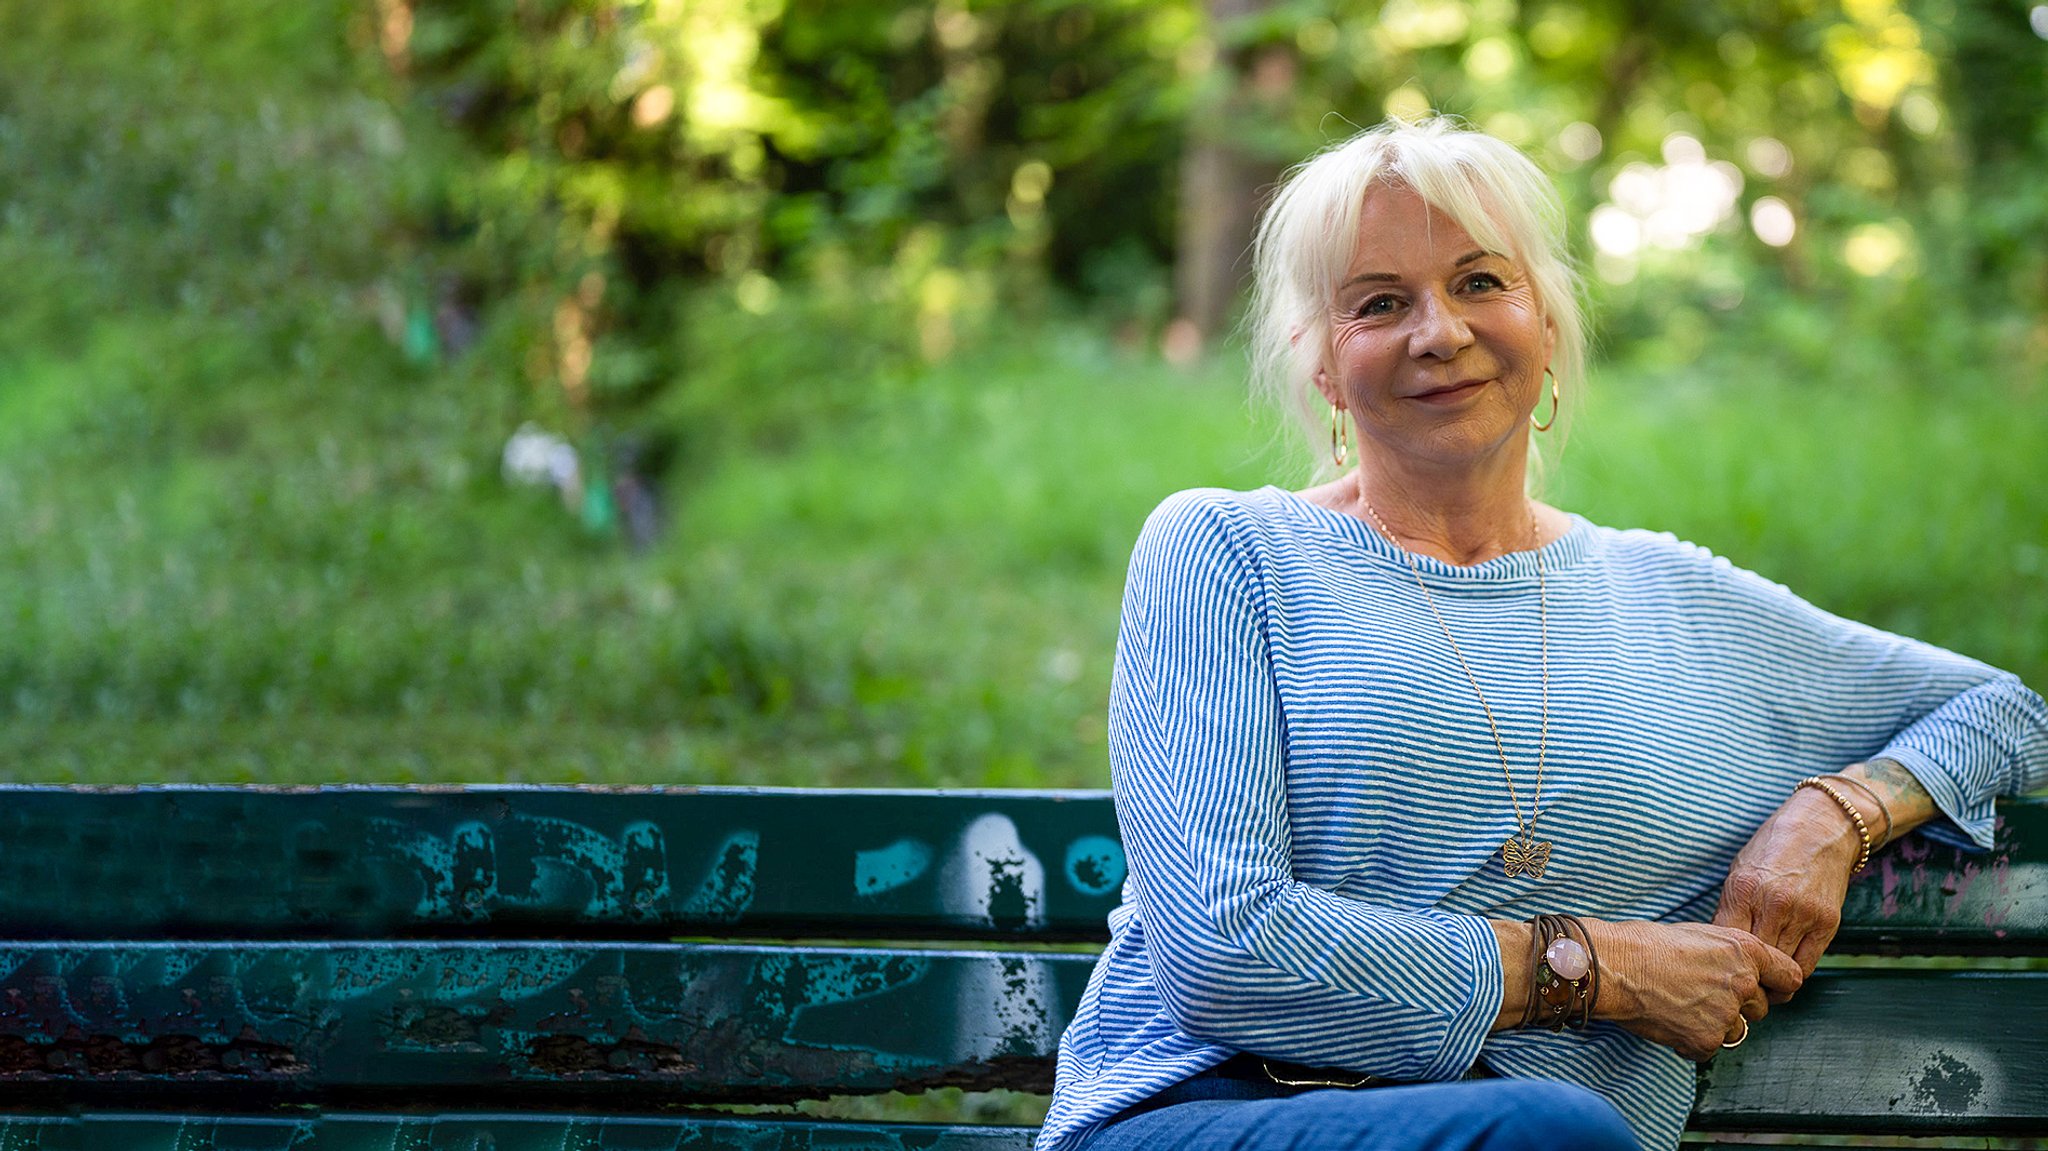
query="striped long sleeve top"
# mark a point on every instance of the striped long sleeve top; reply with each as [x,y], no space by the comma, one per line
[1311,802]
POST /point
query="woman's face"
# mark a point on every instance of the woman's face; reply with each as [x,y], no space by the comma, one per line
[1437,346]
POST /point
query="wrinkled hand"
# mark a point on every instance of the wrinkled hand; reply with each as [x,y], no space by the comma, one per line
[1689,986]
[1787,884]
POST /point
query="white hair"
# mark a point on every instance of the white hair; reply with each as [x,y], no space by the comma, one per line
[1305,244]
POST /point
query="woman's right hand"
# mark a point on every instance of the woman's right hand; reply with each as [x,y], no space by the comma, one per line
[1689,986]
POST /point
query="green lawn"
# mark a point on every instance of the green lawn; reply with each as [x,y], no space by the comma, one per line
[224,570]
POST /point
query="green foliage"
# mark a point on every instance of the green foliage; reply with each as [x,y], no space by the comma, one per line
[226,161]
[927,596]
[872,289]
[603,151]
[562,172]
[328,565]
[972,149]
[1882,501]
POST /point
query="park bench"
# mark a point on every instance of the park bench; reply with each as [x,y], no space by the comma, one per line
[519,968]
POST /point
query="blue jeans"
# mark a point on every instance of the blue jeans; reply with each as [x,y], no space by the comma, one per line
[1477,1115]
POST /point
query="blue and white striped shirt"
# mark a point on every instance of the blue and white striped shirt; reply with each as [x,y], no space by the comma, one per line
[1311,802]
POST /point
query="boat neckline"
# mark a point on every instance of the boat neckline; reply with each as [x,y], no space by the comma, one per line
[1559,554]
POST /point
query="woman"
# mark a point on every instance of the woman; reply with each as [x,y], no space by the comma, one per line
[1371,740]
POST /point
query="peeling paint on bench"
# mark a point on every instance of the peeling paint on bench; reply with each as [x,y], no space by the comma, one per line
[334,862]
[736,1022]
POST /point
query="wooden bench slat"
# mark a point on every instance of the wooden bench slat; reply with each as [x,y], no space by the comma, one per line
[1925,897]
[520,862]
[1891,1052]
[155,1024]
[1866,1051]
[369,1131]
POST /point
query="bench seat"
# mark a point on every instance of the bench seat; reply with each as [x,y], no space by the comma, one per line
[204,967]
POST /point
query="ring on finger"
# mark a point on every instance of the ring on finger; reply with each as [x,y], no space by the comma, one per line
[1741,1037]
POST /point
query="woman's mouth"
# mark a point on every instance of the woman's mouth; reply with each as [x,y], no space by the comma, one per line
[1452,394]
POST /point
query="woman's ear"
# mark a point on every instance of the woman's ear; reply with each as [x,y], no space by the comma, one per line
[1321,378]
[1319,374]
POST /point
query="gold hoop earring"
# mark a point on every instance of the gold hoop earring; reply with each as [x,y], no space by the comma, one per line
[1555,400]
[1340,437]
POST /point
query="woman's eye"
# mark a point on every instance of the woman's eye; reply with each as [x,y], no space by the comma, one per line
[1484,281]
[1378,306]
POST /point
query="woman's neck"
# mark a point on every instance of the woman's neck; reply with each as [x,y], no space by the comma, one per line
[1462,518]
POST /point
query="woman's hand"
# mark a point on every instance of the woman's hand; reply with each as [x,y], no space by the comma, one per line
[1787,884]
[1689,986]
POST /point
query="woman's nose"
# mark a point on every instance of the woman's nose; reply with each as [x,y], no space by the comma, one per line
[1440,330]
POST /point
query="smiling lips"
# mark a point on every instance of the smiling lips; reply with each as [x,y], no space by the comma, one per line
[1451,393]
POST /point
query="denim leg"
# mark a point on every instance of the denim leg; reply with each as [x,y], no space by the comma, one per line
[1483,1115]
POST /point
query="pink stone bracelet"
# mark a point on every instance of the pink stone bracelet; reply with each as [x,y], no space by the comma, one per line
[1564,973]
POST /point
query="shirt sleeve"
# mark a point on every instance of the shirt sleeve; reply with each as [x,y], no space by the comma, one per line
[1243,953]
[1967,731]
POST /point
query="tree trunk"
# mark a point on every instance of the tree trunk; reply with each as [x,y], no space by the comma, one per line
[1219,187]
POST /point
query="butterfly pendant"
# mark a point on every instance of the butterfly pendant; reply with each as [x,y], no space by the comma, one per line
[1521,854]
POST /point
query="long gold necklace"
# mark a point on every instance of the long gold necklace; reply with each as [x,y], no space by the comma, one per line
[1522,851]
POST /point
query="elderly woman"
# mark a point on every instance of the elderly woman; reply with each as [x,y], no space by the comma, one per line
[1431,790]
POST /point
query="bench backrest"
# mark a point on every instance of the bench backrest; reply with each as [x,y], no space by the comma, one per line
[518,946]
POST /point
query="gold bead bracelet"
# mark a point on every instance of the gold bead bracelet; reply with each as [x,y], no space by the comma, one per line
[1855,817]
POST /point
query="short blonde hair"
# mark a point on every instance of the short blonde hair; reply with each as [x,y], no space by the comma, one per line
[1303,246]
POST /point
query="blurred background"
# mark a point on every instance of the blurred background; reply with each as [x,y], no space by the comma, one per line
[769,391]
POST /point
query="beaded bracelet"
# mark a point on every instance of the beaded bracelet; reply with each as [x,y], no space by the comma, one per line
[1883,808]
[1855,817]
[1564,973]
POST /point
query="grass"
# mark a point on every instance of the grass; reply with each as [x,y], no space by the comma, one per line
[316,573]
[245,540]
[206,587]
[1918,510]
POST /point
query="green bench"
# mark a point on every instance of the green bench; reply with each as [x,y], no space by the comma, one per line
[517,968]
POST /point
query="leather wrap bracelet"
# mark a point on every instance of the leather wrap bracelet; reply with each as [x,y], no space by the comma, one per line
[1564,972]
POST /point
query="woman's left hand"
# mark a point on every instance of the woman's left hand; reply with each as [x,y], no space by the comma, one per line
[1787,884]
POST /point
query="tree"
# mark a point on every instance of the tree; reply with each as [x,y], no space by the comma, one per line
[1219,177]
